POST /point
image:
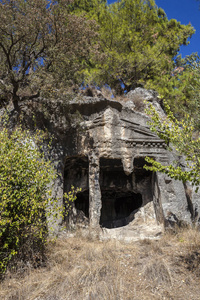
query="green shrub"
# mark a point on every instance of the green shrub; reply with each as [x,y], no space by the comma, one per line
[25,177]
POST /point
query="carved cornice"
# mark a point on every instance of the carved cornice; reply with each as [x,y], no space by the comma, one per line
[133,143]
[146,143]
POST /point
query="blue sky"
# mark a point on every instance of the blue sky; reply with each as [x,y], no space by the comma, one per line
[184,11]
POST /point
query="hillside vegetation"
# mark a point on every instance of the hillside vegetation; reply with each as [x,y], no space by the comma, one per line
[73,43]
[48,48]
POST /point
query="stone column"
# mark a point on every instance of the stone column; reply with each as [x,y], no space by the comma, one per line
[157,199]
[94,190]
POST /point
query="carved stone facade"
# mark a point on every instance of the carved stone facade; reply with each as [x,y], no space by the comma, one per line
[103,152]
[106,159]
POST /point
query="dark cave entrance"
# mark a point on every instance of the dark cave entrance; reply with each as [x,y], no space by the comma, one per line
[82,202]
[119,207]
[121,195]
[119,202]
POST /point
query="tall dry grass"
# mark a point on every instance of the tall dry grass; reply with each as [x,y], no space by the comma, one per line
[87,268]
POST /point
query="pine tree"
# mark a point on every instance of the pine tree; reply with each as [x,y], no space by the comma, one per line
[138,41]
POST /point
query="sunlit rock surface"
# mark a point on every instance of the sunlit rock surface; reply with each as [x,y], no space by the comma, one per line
[100,145]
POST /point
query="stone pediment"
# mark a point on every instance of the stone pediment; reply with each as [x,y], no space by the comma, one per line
[112,128]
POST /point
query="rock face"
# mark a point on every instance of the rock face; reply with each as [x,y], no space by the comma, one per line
[108,166]
[103,152]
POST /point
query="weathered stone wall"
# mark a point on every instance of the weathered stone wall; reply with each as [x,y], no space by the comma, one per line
[100,145]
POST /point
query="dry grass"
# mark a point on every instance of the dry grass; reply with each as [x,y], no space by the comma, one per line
[137,100]
[86,268]
[107,92]
[139,103]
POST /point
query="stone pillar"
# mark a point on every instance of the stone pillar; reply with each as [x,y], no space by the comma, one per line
[157,200]
[94,190]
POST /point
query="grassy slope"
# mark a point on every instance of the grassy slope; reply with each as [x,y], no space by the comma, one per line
[85,268]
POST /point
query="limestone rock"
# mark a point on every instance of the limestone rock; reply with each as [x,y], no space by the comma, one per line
[148,95]
[100,145]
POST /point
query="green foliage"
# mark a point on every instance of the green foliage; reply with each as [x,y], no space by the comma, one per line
[43,46]
[180,137]
[138,41]
[71,41]
[26,200]
[90,8]
[181,88]
[24,179]
[69,198]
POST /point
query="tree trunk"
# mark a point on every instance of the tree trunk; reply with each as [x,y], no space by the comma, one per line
[15,103]
[15,97]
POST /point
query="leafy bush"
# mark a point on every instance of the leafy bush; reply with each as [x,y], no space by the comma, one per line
[24,195]
[179,136]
